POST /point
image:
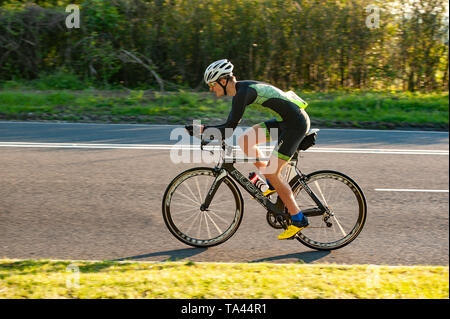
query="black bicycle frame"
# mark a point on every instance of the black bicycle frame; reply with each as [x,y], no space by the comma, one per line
[321,209]
[228,169]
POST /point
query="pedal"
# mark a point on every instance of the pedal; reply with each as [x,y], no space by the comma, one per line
[269,192]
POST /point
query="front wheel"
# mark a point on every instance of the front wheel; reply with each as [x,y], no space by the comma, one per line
[192,225]
[346,204]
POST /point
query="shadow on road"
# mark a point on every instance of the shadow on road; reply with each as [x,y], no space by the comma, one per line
[304,257]
[171,255]
[179,254]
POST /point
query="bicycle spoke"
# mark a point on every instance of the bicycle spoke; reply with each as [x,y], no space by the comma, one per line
[192,224]
[339,224]
[215,225]
[192,193]
[216,206]
[190,216]
[186,205]
[198,189]
[338,193]
[220,218]
[187,197]
[321,194]
[207,226]
[200,226]
[185,219]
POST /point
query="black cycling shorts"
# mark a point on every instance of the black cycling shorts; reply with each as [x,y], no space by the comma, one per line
[290,133]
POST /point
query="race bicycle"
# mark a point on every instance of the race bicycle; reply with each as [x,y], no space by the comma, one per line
[203,206]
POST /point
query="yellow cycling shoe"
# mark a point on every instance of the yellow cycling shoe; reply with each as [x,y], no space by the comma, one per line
[293,229]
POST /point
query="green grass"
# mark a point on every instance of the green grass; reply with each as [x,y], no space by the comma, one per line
[390,107]
[56,279]
[356,109]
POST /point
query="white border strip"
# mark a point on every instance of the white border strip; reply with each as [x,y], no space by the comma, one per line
[412,190]
[197,147]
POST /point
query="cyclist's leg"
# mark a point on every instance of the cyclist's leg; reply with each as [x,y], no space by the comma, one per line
[257,134]
[288,144]
[272,172]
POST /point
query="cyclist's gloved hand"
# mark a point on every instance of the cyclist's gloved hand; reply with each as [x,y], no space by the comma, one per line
[195,129]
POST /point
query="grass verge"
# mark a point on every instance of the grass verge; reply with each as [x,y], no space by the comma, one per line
[60,279]
[384,110]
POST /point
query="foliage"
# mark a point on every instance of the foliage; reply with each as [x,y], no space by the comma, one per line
[293,44]
[59,80]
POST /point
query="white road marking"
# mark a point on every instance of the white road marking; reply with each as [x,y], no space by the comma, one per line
[197,147]
[412,190]
[379,151]
[178,125]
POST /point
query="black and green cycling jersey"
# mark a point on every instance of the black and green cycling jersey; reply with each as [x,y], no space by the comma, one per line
[263,94]
[295,121]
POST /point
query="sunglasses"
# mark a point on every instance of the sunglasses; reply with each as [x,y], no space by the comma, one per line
[211,85]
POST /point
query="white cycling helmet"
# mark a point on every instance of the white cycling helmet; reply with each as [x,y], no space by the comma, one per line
[218,69]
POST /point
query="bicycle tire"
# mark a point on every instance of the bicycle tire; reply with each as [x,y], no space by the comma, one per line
[360,212]
[172,217]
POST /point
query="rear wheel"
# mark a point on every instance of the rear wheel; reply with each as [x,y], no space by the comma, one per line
[347,210]
[186,220]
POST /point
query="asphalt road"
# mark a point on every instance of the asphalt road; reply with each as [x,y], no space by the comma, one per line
[93,191]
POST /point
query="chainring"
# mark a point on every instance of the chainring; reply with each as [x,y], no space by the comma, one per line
[271,218]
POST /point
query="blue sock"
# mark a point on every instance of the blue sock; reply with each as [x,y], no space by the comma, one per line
[297,217]
[268,184]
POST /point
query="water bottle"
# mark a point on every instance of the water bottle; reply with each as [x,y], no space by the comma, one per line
[258,182]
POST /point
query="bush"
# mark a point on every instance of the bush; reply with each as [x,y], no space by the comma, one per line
[58,80]
[12,84]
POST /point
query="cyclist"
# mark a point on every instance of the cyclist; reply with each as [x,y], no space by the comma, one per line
[291,130]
